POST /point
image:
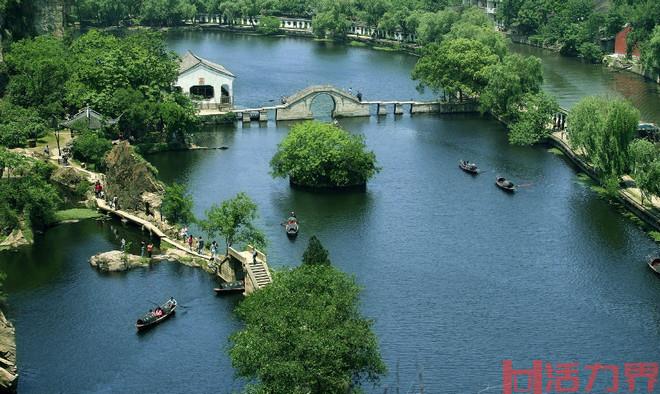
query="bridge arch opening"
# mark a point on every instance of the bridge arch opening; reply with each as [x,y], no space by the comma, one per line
[323,107]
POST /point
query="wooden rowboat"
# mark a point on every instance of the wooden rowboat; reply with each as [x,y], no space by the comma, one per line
[151,319]
[230,287]
[468,167]
[654,264]
[291,227]
[505,184]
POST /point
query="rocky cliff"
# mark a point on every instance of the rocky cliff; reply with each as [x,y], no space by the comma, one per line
[129,177]
[49,17]
[8,373]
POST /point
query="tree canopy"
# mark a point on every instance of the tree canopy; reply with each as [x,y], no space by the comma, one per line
[604,128]
[233,220]
[304,334]
[177,205]
[315,252]
[318,154]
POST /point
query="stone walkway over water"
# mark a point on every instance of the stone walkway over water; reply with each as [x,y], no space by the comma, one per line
[299,106]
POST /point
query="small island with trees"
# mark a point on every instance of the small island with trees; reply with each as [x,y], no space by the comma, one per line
[318,155]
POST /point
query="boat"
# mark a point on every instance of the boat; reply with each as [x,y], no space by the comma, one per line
[505,184]
[468,167]
[291,226]
[150,319]
[230,287]
[654,264]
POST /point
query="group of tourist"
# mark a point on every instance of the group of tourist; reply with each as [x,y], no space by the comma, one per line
[148,247]
[358,94]
[197,244]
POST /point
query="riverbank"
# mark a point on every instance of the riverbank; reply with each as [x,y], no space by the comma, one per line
[629,197]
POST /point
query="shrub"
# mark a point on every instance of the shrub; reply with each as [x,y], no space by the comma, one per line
[268,25]
[590,52]
[91,148]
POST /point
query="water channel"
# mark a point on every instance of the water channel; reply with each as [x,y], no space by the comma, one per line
[457,275]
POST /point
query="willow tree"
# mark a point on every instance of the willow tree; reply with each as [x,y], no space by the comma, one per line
[604,128]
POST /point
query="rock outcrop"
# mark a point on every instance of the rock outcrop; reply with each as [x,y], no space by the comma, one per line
[115,261]
[14,240]
[68,177]
[8,371]
[129,177]
[49,17]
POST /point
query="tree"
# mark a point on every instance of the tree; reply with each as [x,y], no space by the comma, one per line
[38,70]
[651,52]
[455,66]
[318,154]
[91,147]
[531,124]
[233,220]
[645,160]
[269,25]
[177,205]
[604,128]
[508,82]
[18,124]
[315,252]
[304,334]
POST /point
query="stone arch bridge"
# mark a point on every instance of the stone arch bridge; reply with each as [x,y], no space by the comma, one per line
[299,106]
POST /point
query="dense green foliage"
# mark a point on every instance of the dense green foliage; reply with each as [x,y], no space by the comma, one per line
[604,128]
[456,66]
[315,252]
[233,220]
[18,124]
[645,159]
[318,154]
[129,76]
[470,58]
[38,69]
[531,125]
[25,193]
[269,25]
[304,334]
[177,205]
[577,26]
[90,147]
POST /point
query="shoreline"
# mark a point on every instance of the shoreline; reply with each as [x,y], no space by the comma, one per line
[624,195]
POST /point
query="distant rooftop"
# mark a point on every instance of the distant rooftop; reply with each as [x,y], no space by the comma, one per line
[190,60]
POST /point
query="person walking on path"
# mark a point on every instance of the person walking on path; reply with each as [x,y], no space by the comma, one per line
[142,249]
[254,256]
[200,245]
[214,249]
[123,245]
[150,249]
[190,241]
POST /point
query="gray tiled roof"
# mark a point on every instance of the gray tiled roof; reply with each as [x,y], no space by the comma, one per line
[190,60]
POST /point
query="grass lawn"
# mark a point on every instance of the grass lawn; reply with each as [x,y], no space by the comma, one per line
[76,214]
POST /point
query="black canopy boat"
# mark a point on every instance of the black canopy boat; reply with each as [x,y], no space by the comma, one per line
[156,316]
[654,264]
[230,287]
[505,184]
[468,167]
[291,226]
